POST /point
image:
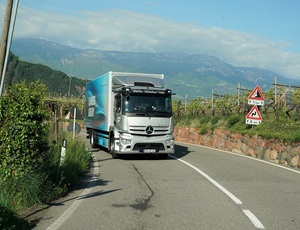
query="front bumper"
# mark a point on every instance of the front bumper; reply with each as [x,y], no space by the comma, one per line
[130,144]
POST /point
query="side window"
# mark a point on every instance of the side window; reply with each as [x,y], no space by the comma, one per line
[168,104]
[118,104]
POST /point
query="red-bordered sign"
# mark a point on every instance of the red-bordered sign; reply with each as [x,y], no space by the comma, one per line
[253,117]
[256,97]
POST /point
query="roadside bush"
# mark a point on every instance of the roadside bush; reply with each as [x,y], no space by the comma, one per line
[24,129]
[10,221]
[21,191]
[203,130]
[184,120]
[233,119]
[35,188]
[286,131]
[215,119]
[76,161]
[63,175]
[203,120]
[30,170]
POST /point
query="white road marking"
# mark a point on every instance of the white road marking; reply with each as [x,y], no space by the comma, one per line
[254,219]
[248,213]
[249,157]
[58,223]
[233,197]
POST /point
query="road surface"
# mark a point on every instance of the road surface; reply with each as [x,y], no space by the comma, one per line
[196,188]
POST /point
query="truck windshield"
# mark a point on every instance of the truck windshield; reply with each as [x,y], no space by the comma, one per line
[142,104]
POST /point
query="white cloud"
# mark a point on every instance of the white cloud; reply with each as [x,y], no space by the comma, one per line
[130,31]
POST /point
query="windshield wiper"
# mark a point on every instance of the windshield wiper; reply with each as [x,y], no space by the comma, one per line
[140,113]
[159,113]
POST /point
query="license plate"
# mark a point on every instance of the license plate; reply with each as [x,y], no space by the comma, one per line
[149,150]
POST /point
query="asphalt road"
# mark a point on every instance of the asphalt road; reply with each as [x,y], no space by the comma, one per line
[196,188]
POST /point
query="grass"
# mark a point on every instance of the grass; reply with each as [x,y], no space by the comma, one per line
[17,193]
[10,221]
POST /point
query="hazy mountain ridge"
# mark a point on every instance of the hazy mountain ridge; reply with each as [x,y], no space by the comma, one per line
[191,74]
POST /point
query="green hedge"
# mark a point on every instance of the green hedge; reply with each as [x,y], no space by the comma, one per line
[24,130]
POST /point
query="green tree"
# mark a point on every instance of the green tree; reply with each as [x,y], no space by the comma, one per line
[226,104]
[23,129]
[296,101]
[198,106]
[177,108]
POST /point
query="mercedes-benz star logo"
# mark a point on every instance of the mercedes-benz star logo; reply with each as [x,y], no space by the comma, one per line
[149,129]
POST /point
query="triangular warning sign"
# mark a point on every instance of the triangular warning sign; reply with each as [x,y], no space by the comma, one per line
[254,114]
[256,94]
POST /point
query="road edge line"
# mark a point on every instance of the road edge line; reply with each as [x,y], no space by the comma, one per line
[245,156]
[58,222]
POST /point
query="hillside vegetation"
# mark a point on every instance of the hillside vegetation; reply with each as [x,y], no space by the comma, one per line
[280,119]
[197,112]
[57,83]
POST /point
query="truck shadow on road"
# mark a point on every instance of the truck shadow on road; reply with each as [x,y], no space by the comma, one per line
[181,151]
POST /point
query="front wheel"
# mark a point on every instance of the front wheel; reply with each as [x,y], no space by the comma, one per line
[112,148]
[93,139]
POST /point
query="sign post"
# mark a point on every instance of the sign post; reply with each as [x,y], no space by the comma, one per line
[74,124]
[63,151]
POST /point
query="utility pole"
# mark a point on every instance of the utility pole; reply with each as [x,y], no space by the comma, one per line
[239,91]
[212,102]
[69,92]
[275,86]
[8,39]
[5,32]
[185,104]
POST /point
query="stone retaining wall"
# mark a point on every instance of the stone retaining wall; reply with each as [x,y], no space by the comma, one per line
[273,151]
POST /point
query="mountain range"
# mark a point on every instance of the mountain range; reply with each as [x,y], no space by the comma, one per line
[188,75]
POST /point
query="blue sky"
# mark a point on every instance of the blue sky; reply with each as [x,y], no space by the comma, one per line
[255,33]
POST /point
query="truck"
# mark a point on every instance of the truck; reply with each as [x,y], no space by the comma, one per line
[130,113]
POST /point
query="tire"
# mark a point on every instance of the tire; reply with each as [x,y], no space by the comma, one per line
[112,148]
[93,139]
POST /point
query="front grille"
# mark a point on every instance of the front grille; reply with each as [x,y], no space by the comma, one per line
[141,130]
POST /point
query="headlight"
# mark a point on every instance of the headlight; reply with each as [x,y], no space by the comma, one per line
[170,142]
[125,141]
